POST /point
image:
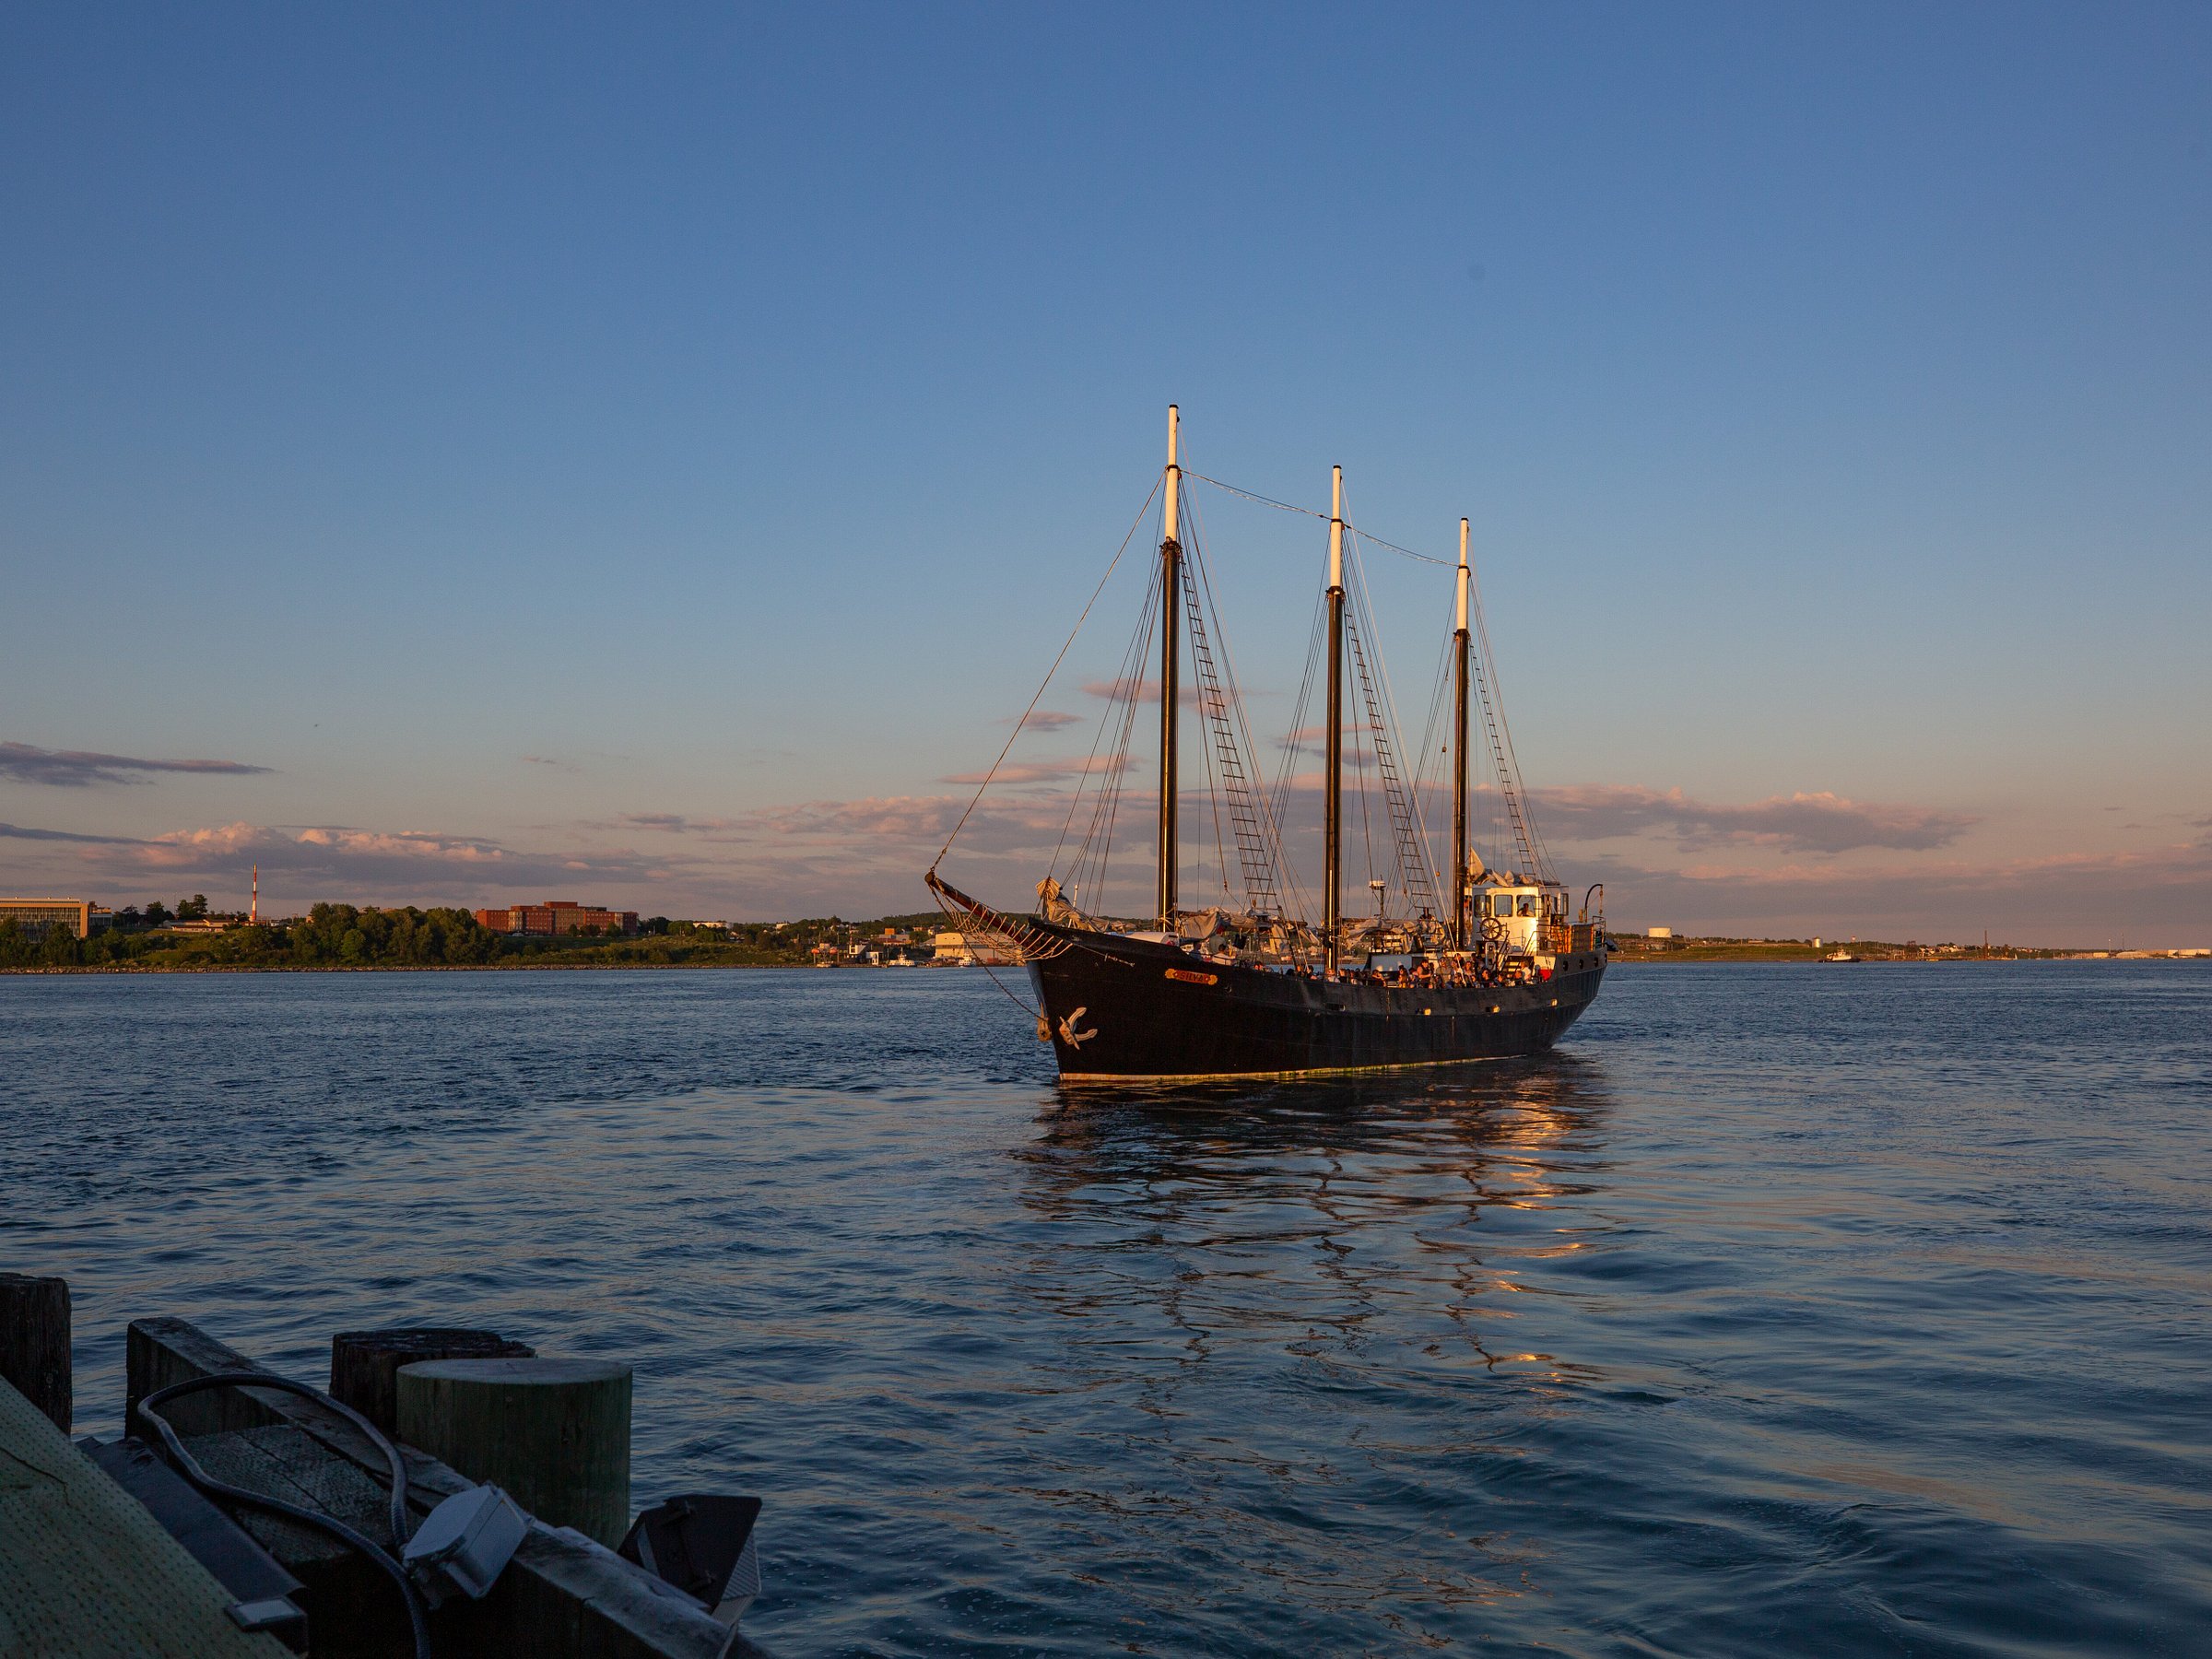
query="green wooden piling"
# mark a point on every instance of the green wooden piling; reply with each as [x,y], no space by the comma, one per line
[555,1433]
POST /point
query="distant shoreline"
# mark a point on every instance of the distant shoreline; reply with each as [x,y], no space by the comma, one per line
[1689,960]
[1671,958]
[127,969]
[348,936]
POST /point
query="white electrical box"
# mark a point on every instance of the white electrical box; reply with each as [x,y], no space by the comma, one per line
[469,1538]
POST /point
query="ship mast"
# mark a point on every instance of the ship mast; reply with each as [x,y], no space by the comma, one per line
[1171,609]
[1333,784]
[1459,752]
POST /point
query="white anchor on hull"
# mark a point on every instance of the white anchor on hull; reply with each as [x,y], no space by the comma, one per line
[1069,1035]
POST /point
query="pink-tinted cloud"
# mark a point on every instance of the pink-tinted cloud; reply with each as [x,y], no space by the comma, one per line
[1314,735]
[865,857]
[1147,691]
[1821,822]
[894,828]
[342,862]
[2160,896]
[1796,865]
[1045,771]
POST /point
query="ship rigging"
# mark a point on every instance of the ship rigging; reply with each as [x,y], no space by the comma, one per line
[1251,983]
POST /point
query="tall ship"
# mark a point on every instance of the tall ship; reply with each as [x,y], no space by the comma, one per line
[1256,978]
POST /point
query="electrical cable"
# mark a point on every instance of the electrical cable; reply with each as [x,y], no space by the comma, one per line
[417,1622]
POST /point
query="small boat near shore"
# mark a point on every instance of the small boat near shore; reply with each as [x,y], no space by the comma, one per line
[1502,965]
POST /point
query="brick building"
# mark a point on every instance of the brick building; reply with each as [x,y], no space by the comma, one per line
[557,916]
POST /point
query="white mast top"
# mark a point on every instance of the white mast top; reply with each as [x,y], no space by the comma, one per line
[1463,576]
[1336,526]
[1175,475]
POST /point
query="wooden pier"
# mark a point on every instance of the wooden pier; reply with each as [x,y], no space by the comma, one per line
[90,1571]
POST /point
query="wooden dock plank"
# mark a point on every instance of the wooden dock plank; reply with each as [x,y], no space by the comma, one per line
[89,1573]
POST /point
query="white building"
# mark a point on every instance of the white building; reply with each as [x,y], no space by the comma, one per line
[961,951]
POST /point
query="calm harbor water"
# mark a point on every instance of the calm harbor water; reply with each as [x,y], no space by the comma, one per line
[1784,1310]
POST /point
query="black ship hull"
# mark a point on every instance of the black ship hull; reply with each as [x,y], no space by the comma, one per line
[1123,1010]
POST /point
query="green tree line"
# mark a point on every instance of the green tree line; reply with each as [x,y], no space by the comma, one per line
[345,935]
[329,935]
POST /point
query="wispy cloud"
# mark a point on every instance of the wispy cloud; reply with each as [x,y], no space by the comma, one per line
[77,769]
[899,818]
[1051,720]
[1145,690]
[1301,737]
[345,862]
[24,832]
[1821,822]
[676,823]
[1045,771]
[889,830]
[2161,892]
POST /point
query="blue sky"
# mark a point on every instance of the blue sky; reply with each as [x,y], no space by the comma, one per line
[641,455]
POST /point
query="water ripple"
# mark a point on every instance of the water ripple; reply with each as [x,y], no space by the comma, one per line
[1783,1312]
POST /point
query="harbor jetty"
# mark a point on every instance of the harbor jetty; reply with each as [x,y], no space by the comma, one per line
[451,1493]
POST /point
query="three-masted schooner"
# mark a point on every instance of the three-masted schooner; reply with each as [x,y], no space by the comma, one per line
[1199,993]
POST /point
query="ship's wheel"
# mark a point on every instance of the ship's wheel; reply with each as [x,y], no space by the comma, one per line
[1493,929]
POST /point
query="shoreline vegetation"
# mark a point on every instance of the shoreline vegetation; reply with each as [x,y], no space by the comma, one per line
[341,938]
[344,938]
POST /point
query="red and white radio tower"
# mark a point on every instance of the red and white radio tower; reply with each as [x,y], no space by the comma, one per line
[254,914]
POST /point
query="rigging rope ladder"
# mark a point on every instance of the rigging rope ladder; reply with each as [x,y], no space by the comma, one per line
[1413,868]
[1530,863]
[1260,895]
